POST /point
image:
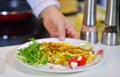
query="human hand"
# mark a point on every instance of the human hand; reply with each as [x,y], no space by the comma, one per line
[57,24]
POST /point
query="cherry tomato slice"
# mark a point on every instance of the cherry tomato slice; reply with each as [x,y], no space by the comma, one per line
[100,51]
[81,61]
[73,63]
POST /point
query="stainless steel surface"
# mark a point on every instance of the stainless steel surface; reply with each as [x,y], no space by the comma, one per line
[110,35]
[110,38]
[89,31]
[89,12]
[90,36]
[118,11]
[111,14]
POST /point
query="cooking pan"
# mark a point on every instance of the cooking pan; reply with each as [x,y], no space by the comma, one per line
[14,10]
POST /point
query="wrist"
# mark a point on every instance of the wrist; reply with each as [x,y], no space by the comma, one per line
[48,10]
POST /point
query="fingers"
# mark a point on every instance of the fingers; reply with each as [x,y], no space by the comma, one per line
[57,25]
[61,31]
[66,29]
[70,31]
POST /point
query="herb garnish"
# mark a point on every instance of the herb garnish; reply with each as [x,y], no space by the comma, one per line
[32,54]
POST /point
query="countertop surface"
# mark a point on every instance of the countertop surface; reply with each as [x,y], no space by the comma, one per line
[109,67]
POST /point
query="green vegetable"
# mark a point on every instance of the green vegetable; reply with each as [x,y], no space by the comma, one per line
[87,45]
[32,54]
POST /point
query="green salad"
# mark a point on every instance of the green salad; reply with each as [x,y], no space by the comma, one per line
[32,54]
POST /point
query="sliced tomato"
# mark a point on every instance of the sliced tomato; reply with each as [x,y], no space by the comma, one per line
[81,61]
[73,63]
[100,51]
[93,52]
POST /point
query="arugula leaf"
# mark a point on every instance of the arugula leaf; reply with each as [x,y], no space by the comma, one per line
[32,54]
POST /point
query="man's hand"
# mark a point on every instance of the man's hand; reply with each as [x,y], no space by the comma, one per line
[57,24]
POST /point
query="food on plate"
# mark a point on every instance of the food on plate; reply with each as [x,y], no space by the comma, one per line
[81,61]
[58,53]
[73,63]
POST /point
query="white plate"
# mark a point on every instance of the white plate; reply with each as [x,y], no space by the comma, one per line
[59,68]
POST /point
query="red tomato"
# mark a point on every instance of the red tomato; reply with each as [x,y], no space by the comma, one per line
[93,52]
[81,61]
[100,51]
[73,63]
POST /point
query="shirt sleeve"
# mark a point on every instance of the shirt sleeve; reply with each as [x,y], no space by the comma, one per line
[38,6]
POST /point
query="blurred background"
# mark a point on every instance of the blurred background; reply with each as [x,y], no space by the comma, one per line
[18,24]
[101,2]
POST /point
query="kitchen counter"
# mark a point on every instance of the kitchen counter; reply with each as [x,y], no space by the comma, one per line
[109,67]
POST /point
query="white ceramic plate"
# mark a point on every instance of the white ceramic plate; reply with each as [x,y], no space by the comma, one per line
[59,68]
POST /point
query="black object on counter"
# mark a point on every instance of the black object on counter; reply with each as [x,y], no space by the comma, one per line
[18,24]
